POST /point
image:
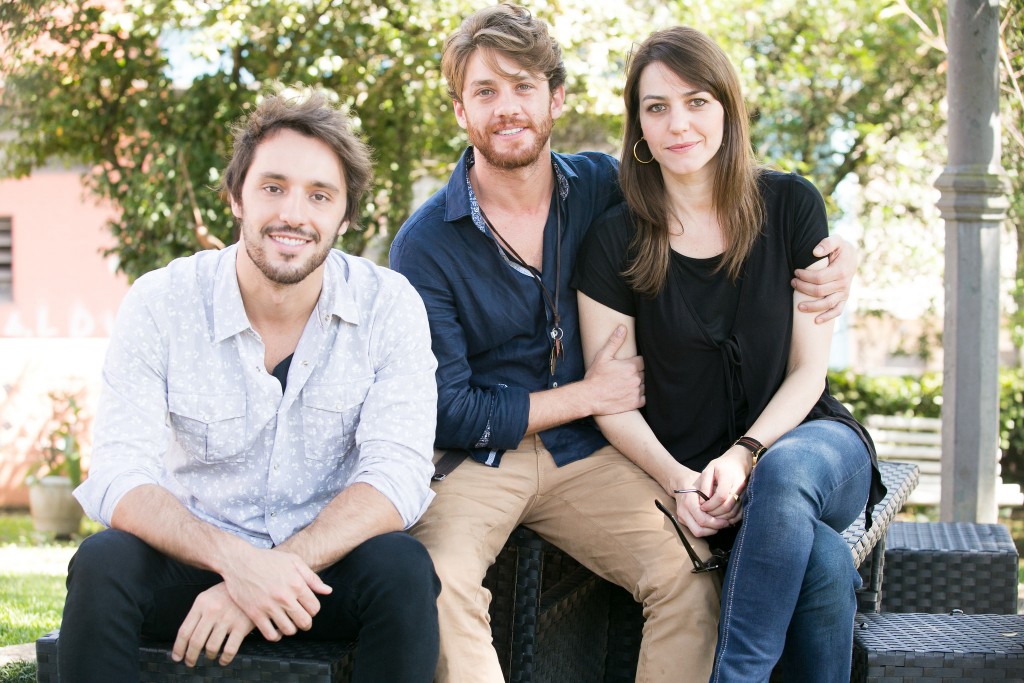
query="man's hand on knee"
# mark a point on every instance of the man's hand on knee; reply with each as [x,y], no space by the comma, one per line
[214,624]
[276,590]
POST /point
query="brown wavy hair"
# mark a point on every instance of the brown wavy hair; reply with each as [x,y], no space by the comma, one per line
[310,113]
[508,30]
[698,60]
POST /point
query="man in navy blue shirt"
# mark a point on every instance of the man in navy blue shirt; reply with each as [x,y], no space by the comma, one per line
[492,254]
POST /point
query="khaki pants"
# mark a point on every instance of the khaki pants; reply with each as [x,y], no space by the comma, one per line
[601,511]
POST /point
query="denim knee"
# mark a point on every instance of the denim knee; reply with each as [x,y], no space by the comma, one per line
[107,555]
[830,568]
[397,560]
[813,459]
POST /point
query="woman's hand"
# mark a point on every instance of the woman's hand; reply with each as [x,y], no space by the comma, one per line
[721,486]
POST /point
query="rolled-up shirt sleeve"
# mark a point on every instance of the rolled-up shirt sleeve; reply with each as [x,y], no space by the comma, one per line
[397,419]
[130,428]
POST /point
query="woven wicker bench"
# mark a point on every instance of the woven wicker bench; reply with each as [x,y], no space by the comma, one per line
[292,661]
[552,620]
[549,621]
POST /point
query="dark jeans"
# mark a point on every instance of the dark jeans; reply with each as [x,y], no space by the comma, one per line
[119,589]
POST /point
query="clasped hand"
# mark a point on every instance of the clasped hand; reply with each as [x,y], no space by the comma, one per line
[271,590]
[723,482]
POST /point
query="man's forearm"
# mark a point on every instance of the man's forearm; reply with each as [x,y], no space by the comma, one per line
[152,514]
[356,515]
[554,407]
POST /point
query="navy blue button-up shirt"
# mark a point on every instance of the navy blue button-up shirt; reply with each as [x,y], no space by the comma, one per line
[488,321]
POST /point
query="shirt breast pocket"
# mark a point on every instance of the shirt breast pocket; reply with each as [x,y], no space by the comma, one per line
[209,427]
[330,418]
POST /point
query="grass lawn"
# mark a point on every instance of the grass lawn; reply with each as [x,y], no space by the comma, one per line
[33,567]
[18,672]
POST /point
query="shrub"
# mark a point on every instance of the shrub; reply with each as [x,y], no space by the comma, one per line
[921,396]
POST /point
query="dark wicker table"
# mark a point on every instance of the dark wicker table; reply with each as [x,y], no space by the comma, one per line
[936,567]
[898,648]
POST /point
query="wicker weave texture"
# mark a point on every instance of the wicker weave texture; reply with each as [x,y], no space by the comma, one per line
[625,631]
[900,480]
[892,648]
[936,567]
[290,661]
[561,614]
[46,659]
[572,630]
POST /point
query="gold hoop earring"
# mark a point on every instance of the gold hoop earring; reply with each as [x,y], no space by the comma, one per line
[639,160]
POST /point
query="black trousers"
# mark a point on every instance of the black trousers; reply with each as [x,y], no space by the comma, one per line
[119,589]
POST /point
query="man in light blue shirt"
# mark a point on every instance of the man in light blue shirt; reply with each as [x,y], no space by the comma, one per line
[264,433]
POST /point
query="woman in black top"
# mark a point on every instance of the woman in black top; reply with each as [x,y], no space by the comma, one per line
[697,266]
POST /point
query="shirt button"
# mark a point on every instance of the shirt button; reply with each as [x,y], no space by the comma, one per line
[554,385]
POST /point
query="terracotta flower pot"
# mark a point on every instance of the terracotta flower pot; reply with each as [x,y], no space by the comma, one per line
[53,507]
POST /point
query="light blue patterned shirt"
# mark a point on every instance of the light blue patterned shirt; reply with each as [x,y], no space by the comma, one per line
[188,404]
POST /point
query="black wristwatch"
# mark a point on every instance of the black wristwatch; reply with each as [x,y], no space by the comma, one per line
[755,447]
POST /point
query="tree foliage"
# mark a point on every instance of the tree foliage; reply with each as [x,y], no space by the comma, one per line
[1012,88]
[834,84]
[92,85]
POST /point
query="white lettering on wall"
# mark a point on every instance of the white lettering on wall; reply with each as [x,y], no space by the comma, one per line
[80,323]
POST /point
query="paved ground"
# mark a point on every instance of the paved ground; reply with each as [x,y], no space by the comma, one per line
[46,560]
[17,653]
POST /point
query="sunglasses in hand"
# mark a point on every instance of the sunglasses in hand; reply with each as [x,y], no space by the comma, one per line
[718,558]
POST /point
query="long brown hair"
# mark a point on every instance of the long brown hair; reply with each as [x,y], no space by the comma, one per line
[696,59]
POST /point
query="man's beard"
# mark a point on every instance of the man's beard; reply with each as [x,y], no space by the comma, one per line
[524,155]
[294,270]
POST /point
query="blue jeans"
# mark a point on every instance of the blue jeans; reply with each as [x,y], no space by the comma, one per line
[120,589]
[789,595]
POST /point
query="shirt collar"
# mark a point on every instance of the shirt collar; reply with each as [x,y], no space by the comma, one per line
[337,297]
[461,200]
[228,312]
